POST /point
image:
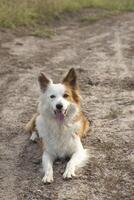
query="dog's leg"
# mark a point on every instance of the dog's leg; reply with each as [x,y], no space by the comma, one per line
[47,162]
[78,159]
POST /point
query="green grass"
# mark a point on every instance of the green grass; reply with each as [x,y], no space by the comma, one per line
[43,32]
[15,13]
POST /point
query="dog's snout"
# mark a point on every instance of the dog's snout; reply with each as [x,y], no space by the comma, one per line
[59,106]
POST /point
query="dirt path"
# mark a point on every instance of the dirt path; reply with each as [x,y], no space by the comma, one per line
[103,55]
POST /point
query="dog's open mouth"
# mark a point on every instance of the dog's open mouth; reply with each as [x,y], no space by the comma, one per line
[60,115]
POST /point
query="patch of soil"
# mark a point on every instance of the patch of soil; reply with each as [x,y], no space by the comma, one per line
[127,83]
[102,56]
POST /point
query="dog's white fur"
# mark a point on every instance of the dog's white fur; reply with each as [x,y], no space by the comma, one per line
[59,138]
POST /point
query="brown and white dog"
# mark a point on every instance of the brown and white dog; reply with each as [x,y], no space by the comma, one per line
[60,124]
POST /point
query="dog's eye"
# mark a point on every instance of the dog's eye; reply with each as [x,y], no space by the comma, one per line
[65,95]
[52,96]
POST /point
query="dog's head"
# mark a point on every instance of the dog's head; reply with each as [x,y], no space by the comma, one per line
[61,100]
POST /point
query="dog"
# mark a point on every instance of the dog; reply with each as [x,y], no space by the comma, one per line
[60,124]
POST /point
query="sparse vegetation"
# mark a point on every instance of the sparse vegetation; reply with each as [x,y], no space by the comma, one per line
[43,32]
[16,13]
[93,18]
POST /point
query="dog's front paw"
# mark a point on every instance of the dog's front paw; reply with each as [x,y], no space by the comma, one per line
[48,178]
[69,173]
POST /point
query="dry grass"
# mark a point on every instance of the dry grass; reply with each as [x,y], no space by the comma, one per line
[16,13]
[94,18]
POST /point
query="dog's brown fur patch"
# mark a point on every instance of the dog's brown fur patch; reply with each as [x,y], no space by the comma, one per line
[73,95]
[31,125]
[73,92]
[82,132]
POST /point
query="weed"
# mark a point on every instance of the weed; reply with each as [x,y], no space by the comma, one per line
[43,32]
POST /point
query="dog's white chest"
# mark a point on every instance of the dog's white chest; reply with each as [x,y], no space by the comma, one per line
[60,145]
[59,141]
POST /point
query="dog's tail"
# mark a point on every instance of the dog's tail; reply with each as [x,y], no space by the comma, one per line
[82,158]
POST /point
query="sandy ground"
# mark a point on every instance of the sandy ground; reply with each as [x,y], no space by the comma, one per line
[103,55]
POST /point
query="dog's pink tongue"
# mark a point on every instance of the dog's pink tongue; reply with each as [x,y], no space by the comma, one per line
[60,116]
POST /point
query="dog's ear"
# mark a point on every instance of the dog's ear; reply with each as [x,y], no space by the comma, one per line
[71,78]
[43,81]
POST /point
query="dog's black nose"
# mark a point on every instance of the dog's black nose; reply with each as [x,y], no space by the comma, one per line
[59,106]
